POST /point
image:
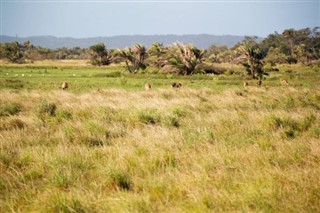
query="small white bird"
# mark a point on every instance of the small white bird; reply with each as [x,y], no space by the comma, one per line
[74,75]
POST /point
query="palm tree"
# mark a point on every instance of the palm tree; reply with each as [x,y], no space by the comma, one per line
[133,57]
[184,59]
[251,57]
[157,55]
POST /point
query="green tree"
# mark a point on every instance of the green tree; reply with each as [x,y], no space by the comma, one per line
[156,55]
[251,57]
[275,56]
[184,59]
[134,57]
[215,53]
[13,52]
[99,55]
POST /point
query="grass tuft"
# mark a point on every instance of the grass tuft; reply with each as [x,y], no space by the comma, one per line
[46,108]
[120,180]
[149,116]
[11,108]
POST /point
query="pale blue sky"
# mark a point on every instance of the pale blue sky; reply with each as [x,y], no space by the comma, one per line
[105,18]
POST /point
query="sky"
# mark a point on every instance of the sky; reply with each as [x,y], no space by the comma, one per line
[84,18]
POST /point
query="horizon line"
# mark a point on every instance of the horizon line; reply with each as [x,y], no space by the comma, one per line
[170,34]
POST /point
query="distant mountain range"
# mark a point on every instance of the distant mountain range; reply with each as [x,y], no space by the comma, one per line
[200,41]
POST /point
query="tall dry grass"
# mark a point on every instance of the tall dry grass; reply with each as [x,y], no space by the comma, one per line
[187,150]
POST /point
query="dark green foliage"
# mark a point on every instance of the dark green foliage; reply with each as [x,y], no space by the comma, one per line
[251,57]
[12,52]
[134,57]
[99,55]
[156,55]
[293,46]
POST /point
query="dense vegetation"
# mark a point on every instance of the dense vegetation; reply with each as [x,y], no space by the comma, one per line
[292,46]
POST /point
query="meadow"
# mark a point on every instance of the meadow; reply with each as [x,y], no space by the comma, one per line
[106,145]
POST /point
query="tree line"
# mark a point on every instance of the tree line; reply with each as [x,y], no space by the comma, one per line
[291,46]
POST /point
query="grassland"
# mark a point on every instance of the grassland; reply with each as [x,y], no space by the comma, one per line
[106,145]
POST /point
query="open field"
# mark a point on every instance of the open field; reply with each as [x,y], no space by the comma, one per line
[106,145]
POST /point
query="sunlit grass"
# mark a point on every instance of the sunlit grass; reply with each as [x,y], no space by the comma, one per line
[211,146]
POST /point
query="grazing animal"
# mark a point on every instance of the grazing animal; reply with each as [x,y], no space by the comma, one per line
[259,83]
[147,87]
[284,83]
[64,85]
[176,85]
[245,84]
